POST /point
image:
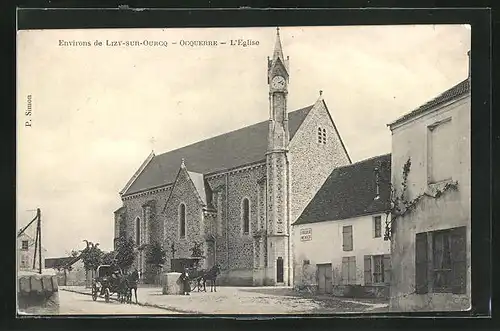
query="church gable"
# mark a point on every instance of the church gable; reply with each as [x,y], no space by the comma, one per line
[319,118]
[190,186]
[317,147]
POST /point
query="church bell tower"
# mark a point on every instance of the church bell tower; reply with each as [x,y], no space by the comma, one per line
[278,271]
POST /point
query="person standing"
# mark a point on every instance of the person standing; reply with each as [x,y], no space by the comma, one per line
[186,288]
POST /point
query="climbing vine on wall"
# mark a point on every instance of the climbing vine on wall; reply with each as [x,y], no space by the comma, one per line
[400,205]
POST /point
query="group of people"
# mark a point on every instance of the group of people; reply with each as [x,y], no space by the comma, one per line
[125,282]
[201,277]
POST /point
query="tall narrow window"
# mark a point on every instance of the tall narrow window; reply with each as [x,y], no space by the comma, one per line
[441,149]
[25,245]
[377,183]
[320,136]
[138,231]
[324,136]
[182,220]
[377,224]
[378,269]
[441,252]
[246,216]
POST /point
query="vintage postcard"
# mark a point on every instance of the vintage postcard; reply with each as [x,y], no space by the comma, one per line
[259,170]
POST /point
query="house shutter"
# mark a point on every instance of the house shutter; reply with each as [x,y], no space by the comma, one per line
[421,263]
[387,268]
[352,270]
[347,238]
[345,270]
[458,260]
[368,270]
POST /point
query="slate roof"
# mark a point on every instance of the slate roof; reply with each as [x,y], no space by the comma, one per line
[59,262]
[230,150]
[350,191]
[460,89]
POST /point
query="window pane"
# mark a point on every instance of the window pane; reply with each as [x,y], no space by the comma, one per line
[378,273]
[441,251]
[246,216]
[183,220]
[378,227]
[138,231]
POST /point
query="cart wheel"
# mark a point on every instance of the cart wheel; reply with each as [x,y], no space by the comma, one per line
[94,293]
[106,295]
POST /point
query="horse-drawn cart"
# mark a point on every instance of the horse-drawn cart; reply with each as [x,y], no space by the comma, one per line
[106,282]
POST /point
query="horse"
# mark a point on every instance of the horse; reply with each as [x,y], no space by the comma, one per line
[211,275]
[124,290]
[132,280]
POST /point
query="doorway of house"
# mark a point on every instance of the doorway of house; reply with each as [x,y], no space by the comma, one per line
[324,278]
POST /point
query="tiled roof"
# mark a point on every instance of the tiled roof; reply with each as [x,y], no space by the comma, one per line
[54,263]
[460,89]
[233,149]
[350,191]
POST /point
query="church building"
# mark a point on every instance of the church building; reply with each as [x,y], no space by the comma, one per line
[236,195]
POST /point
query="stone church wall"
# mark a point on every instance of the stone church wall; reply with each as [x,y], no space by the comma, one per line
[183,192]
[311,161]
[238,260]
[134,208]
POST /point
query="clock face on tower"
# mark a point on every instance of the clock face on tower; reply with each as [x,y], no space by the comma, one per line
[278,82]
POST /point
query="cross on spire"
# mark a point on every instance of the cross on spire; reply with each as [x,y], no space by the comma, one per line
[152,142]
[278,49]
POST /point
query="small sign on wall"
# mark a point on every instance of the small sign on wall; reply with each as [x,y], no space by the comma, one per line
[306,234]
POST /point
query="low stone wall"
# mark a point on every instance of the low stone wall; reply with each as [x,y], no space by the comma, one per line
[38,294]
[358,291]
[236,277]
[306,288]
[171,283]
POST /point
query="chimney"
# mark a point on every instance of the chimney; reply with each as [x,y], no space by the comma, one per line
[470,63]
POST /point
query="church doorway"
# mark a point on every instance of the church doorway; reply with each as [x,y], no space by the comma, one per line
[279,270]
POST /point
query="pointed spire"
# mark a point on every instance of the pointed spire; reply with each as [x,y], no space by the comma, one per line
[278,50]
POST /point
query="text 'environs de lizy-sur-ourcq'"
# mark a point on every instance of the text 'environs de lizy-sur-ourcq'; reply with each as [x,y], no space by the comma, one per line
[158,43]
[28,111]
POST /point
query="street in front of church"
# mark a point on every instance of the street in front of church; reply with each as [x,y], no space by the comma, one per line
[227,300]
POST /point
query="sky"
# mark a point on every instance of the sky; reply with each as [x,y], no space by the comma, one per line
[98,111]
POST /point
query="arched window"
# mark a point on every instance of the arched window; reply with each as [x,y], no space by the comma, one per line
[138,231]
[182,220]
[320,136]
[246,215]
[324,136]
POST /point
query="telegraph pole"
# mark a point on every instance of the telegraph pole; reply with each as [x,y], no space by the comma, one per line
[39,230]
[38,242]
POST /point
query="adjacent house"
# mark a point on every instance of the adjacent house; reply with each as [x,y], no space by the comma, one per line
[26,253]
[338,241]
[430,240]
[70,271]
